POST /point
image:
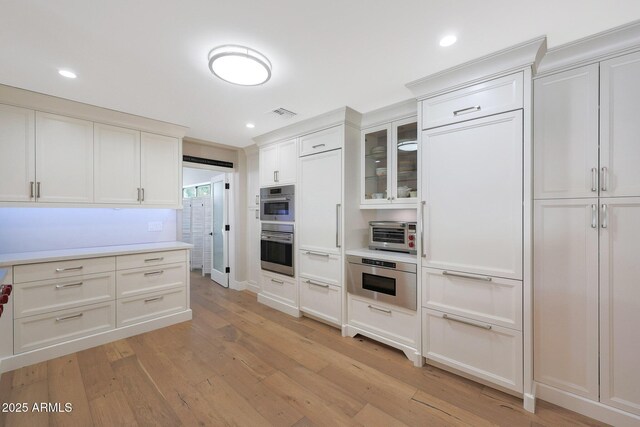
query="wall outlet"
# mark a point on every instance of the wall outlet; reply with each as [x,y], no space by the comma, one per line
[155,226]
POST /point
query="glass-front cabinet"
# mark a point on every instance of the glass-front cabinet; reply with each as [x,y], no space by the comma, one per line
[390,165]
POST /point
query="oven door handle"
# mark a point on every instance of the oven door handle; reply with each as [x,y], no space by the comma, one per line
[277,199]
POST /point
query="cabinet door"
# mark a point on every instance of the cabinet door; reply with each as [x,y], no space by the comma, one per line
[619,296]
[404,174]
[117,164]
[17,154]
[565,144]
[376,163]
[565,263]
[268,164]
[64,159]
[161,167]
[472,184]
[319,199]
[620,127]
[287,162]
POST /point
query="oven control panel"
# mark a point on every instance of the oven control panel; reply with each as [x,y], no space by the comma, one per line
[378,263]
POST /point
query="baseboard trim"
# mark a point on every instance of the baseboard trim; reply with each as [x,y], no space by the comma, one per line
[278,305]
[253,286]
[237,286]
[584,406]
[51,352]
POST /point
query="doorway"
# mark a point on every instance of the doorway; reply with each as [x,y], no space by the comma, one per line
[205,221]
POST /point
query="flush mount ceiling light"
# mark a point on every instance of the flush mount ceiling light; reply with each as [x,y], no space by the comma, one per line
[408,145]
[239,65]
[448,40]
[68,74]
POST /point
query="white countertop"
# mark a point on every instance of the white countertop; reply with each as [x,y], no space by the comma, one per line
[7,260]
[384,255]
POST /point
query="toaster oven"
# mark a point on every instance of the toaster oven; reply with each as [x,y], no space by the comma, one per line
[395,236]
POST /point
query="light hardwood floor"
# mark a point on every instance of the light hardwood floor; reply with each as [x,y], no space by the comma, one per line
[241,363]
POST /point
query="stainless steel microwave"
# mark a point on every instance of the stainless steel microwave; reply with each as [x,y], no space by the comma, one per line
[277,203]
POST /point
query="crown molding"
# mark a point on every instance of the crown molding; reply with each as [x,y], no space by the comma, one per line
[389,113]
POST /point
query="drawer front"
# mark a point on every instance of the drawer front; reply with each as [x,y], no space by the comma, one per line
[498,301]
[321,299]
[382,319]
[495,354]
[279,288]
[62,269]
[321,266]
[325,140]
[52,328]
[59,294]
[151,279]
[492,97]
[146,307]
[150,259]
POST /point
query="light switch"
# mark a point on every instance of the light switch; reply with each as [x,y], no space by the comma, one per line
[155,226]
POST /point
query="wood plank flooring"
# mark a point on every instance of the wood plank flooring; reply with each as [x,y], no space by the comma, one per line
[241,363]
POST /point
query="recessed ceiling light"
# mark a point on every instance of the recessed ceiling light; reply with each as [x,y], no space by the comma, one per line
[448,40]
[239,65]
[68,74]
[250,125]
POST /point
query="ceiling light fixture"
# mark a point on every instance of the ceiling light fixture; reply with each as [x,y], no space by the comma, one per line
[68,74]
[250,125]
[239,65]
[408,145]
[448,40]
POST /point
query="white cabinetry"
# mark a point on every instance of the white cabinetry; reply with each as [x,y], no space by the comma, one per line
[64,159]
[161,170]
[279,292]
[17,154]
[278,163]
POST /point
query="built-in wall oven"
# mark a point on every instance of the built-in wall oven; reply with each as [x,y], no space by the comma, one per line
[391,282]
[276,248]
[277,203]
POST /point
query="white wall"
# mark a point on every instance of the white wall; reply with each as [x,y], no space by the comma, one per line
[192,176]
[37,229]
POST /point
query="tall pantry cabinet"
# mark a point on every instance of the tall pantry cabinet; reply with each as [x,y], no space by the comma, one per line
[587,231]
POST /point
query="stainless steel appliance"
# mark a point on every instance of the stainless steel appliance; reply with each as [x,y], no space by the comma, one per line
[276,248]
[396,236]
[277,203]
[385,281]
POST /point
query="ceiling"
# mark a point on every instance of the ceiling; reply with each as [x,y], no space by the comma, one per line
[149,57]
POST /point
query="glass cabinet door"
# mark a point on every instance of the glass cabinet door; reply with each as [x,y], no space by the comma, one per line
[406,160]
[376,163]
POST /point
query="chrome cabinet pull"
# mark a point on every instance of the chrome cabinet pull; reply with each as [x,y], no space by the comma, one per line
[74,316]
[605,172]
[154,273]
[594,216]
[154,259]
[466,322]
[142,198]
[379,309]
[69,285]
[139,195]
[467,276]
[154,299]
[320,285]
[605,216]
[279,282]
[422,251]
[338,231]
[32,189]
[61,270]
[466,110]
[317,254]
[318,145]
[594,179]
[37,190]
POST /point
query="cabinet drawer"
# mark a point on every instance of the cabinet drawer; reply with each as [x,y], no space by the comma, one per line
[321,300]
[321,266]
[279,287]
[145,307]
[58,294]
[52,328]
[492,97]
[325,140]
[393,323]
[62,269]
[150,259]
[495,354]
[496,301]
[151,279]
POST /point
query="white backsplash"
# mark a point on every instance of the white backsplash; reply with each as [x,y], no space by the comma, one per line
[408,215]
[39,229]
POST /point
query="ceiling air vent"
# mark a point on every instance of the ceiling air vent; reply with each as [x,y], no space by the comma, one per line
[283,113]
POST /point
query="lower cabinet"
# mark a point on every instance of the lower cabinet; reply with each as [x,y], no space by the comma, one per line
[321,299]
[145,307]
[279,289]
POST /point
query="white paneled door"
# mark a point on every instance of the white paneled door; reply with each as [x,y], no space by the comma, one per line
[472,183]
[619,297]
[566,295]
[220,241]
[17,154]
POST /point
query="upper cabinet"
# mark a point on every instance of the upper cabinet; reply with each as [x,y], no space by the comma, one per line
[117,164]
[17,154]
[278,163]
[389,165]
[160,179]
